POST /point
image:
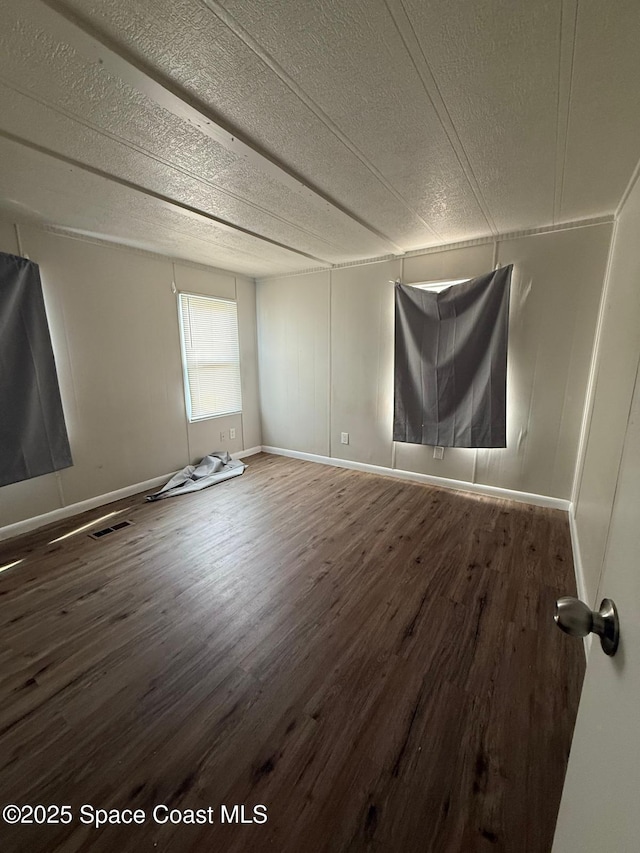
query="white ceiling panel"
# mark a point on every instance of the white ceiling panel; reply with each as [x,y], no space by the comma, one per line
[95,118]
[189,43]
[334,130]
[495,65]
[51,73]
[603,140]
[350,61]
[29,119]
[39,188]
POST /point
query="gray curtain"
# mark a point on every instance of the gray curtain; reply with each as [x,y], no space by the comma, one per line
[451,363]
[33,435]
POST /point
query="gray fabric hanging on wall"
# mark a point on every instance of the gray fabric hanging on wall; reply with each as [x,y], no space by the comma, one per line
[33,435]
[451,363]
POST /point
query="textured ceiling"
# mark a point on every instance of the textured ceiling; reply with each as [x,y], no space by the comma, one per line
[268,137]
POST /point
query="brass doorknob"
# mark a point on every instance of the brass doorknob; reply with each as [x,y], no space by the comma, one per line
[575,618]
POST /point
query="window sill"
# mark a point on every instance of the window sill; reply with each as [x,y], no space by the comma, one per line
[213,417]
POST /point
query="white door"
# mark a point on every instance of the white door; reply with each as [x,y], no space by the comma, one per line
[600,809]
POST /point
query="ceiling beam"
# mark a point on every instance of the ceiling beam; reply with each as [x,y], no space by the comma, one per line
[79,34]
[172,204]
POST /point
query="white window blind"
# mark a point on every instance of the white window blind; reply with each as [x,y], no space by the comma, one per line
[211,356]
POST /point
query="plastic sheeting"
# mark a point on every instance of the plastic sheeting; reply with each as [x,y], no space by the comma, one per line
[212,469]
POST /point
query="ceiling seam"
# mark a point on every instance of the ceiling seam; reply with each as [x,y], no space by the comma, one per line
[401,21]
[273,65]
[566,58]
[88,237]
[155,158]
[82,35]
[606,219]
[183,207]
[110,240]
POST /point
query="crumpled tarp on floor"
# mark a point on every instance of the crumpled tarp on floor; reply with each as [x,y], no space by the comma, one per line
[212,469]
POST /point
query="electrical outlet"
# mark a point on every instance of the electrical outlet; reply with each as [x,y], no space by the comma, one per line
[438,452]
[344,438]
[232,433]
[223,436]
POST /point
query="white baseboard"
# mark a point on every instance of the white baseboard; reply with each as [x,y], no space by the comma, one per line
[29,524]
[250,452]
[458,485]
[578,567]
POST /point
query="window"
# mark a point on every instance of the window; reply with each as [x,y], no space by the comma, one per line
[210,356]
[437,286]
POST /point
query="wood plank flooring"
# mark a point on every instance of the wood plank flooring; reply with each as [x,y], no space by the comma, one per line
[374,661]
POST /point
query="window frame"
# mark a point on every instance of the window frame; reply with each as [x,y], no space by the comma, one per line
[183,355]
[437,286]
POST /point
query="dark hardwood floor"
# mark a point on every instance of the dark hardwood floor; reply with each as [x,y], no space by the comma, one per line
[374,661]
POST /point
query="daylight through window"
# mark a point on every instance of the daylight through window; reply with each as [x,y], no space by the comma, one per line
[211,356]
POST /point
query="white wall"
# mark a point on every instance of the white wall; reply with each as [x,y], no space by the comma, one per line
[326,359]
[616,365]
[599,808]
[114,328]
[325,365]
[362,362]
[293,346]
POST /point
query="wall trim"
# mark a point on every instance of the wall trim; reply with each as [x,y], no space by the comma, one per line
[112,243]
[442,482]
[590,391]
[581,585]
[578,567]
[251,451]
[607,219]
[107,242]
[37,521]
